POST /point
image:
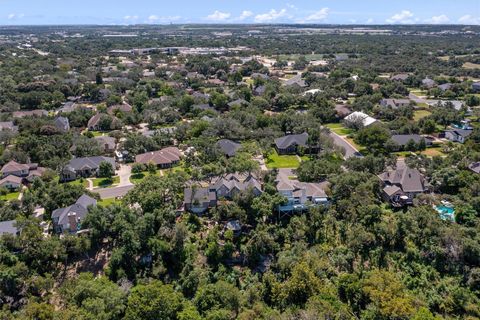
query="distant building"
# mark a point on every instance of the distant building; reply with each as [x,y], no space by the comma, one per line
[296,81]
[400,77]
[428,83]
[458,135]
[229,185]
[403,139]
[475,167]
[199,200]
[108,144]
[360,117]
[32,113]
[9,227]
[62,124]
[8,125]
[476,87]
[395,103]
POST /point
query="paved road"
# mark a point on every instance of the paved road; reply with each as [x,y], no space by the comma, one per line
[350,150]
[108,193]
[124,173]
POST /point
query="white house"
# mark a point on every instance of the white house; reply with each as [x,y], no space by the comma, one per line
[360,116]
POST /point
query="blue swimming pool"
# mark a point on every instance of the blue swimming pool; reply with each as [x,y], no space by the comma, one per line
[446,213]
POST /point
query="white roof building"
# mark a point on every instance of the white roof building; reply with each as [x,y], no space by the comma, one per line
[366,119]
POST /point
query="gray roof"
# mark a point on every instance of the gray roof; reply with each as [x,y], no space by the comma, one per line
[106,140]
[228,147]
[238,102]
[91,163]
[8,125]
[237,181]
[475,167]
[297,80]
[292,139]
[8,227]
[201,195]
[80,208]
[410,180]
[445,86]
[461,132]
[403,139]
[62,123]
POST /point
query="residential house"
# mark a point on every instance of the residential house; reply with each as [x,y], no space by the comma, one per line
[300,195]
[400,77]
[395,103]
[360,117]
[229,185]
[95,122]
[28,171]
[165,158]
[31,113]
[9,227]
[257,75]
[238,103]
[124,108]
[259,90]
[291,144]
[446,86]
[84,167]
[403,140]
[457,135]
[428,83]
[8,125]
[228,147]
[62,124]
[402,184]
[11,182]
[476,87]
[108,144]
[296,81]
[203,107]
[475,167]
[69,219]
[342,110]
[198,200]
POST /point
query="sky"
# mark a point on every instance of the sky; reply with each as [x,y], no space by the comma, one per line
[128,12]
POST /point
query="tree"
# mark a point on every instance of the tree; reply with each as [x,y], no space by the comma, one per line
[106,170]
[373,138]
[153,301]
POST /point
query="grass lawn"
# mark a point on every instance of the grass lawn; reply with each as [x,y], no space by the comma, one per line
[402,154]
[136,178]
[10,196]
[419,92]
[107,202]
[79,182]
[419,114]
[355,145]
[105,182]
[274,161]
[339,129]
[432,152]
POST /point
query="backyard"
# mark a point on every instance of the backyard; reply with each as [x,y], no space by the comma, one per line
[10,196]
[420,114]
[339,129]
[276,161]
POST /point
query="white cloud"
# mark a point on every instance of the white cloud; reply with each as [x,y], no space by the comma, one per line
[160,19]
[245,15]
[403,17]
[270,16]
[129,18]
[13,16]
[320,15]
[218,16]
[369,21]
[438,19]
[469,19]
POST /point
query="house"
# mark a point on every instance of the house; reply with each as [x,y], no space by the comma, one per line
[428,83]
[457,135]
[400,77]
[165,158]
[8,125]
[360,117]
[402,184]
[228,147]
[31,113]
[235,226]
[124,108]
[203,107]
[456,104]
[95,122]
[108,144]
[84,167]
[238,102]
[261,76]
[62,124]
[290,144]
[69,219]
[11,182]
[446,86]
[395,103]
[259,90]
[9,227]
[476,87]
[475,167]
[403,139]
[199,200]
[342,110]
[229,185]
[296,81]
[20,169]
[300,195]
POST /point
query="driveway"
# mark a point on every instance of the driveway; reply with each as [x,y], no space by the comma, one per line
[108,193]
[350,150]
[124,173]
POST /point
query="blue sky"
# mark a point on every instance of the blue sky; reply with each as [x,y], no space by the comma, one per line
[19,12]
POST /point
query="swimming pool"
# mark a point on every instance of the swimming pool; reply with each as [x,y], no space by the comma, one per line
[446,213]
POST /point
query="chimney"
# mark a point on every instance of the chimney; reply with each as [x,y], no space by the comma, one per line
[72,221]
